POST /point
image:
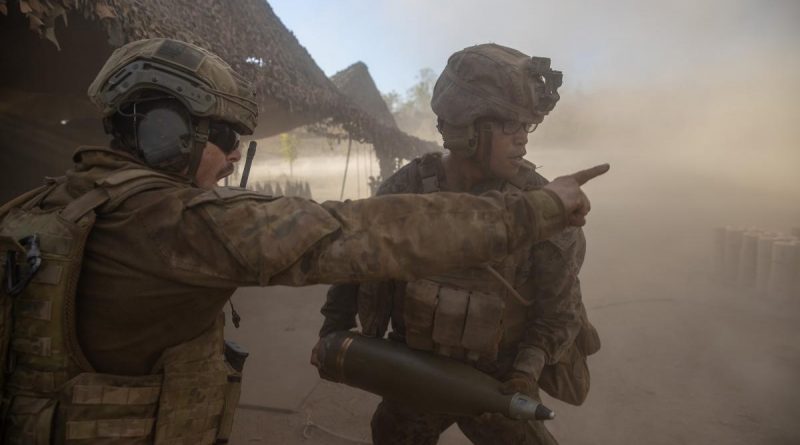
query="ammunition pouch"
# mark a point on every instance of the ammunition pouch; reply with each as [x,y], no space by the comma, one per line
[453,322]
[94,407]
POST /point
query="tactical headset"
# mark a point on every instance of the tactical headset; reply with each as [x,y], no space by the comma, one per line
[166,136]
[163,115]
[465,140]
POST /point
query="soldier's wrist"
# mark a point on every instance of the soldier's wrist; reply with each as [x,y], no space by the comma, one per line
[530,361]
[550,212]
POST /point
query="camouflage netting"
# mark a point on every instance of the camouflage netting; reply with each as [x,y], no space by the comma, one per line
[357,84]
[292,89]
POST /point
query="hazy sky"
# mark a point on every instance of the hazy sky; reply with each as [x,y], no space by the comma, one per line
[596,43]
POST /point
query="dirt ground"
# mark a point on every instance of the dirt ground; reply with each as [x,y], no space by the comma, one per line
[699,364]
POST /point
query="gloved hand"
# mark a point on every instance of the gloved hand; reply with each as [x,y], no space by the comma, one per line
[520,382]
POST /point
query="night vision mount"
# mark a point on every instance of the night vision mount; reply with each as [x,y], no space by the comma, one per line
[545,85]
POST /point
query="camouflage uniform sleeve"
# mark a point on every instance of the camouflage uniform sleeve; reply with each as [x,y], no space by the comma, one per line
[229,238]
[408,236]
[341,302]
[555,317]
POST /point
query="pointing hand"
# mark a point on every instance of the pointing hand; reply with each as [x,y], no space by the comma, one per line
[568,189]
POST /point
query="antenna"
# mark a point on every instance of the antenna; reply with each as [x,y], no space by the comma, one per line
[251,153]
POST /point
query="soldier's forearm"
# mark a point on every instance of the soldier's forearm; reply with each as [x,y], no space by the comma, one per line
[555,318]
[556,325]
[530,360]
[410,236]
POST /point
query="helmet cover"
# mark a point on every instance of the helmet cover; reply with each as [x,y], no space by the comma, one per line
[202,81]
[497,82]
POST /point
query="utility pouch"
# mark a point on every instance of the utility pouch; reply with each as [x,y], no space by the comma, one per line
[233,391]
[453,322]
[448,322]
[194,389]
[105,407]
[30,421]
[483,327]
[419,308]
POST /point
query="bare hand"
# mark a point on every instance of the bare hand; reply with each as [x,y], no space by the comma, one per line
[568,189]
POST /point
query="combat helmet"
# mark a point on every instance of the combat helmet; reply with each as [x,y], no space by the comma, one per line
[491,81]
[207,90]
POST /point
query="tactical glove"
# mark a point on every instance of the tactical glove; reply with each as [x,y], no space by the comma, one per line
[521,382]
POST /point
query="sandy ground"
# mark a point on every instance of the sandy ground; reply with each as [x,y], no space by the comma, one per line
[700,366]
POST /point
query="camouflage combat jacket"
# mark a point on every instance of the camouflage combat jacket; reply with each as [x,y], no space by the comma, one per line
[549,339]
[157,267]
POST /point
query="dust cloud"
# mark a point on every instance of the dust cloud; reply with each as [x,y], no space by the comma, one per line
[686,359]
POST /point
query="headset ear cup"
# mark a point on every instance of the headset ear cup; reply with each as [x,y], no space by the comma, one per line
[164,136]
[460,140]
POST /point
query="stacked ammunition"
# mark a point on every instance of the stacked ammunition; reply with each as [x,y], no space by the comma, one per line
[767,263]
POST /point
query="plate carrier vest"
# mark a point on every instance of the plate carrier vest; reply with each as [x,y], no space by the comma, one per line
[468,314]
[50,392]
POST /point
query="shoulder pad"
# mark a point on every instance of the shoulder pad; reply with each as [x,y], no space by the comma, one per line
[228,194]
[131,174]
[125,183]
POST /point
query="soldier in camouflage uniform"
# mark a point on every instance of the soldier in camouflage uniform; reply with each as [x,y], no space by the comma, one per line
[521,320]
[116,274]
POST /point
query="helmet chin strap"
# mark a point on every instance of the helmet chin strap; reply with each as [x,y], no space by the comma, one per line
[201,131]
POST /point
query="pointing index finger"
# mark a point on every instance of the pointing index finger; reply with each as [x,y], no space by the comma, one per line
[583,176]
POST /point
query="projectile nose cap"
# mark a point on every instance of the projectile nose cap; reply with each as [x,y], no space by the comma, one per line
[525,407]
[544,413]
